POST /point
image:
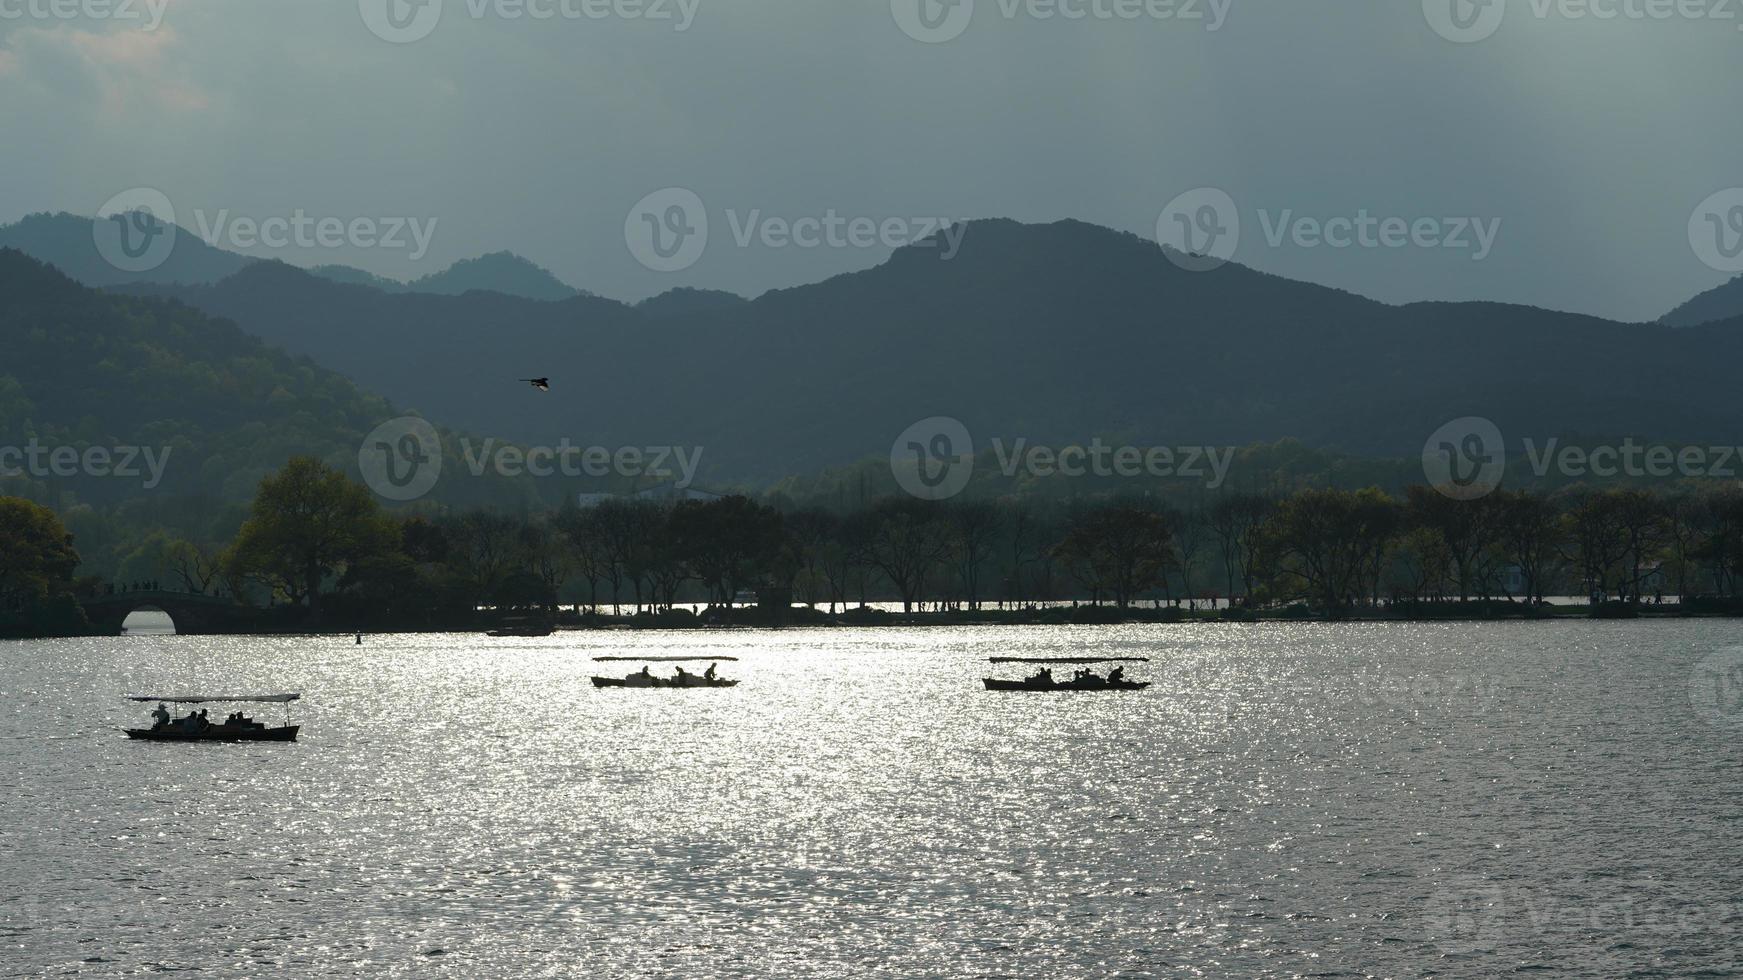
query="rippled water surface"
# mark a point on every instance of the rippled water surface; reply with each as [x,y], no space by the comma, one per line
[1287,800]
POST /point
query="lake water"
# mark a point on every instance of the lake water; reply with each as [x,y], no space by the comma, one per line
[1288,800]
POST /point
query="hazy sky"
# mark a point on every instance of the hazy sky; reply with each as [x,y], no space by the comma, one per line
[1591,139]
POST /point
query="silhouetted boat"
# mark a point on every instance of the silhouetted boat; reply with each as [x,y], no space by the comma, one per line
[645,679]
[634,680]
[1096,683]
[251,731]
[1045,682]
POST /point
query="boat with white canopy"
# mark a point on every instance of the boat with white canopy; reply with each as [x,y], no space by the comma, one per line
[197,727]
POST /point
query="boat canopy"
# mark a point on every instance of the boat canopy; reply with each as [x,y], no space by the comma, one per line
[662,660]
[1070,660]
[204,698]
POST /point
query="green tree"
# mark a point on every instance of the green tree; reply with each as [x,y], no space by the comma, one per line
[36,554]
[308,524]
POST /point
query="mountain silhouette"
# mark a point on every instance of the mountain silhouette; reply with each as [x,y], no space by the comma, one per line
[497,272]
[1054,333]
[1719,303]
[66,241]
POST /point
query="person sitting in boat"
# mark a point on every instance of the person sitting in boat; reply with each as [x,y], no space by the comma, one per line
[682,679]
[645,672]
[160,717]
[1116,675]
[709,674]
[1044,676]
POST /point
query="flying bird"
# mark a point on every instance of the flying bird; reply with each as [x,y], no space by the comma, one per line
[543,384]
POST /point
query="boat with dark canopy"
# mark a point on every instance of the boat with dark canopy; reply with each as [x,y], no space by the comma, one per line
[197,728]
[1083,680]
[645,678]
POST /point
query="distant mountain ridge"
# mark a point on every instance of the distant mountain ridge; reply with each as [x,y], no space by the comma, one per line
[86,368]
[1719,303]
[66,242]
[498,272]
[1056,334]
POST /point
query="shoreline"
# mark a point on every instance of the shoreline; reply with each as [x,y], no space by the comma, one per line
[532,624]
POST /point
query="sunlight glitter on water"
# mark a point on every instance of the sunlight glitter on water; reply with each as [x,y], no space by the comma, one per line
[1361,799]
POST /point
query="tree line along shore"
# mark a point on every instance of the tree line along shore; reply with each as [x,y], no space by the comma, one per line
[318,553]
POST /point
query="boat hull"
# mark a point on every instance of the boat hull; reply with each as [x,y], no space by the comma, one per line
[1072,687]
[634,681]
[217,733]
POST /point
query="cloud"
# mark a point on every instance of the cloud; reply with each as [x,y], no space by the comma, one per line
[115,72]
